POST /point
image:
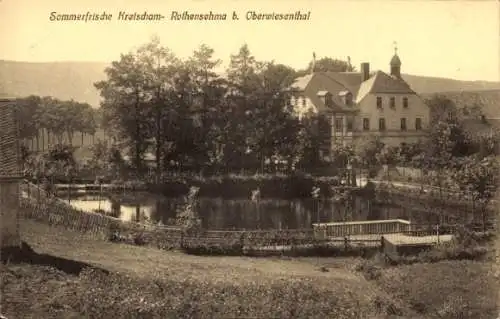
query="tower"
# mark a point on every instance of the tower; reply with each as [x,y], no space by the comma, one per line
[395,63]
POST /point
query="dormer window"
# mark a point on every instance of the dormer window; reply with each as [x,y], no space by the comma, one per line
[346,97]
[326,97]
[379,102]
[304,101]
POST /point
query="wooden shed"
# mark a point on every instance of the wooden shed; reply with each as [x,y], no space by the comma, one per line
[10,175]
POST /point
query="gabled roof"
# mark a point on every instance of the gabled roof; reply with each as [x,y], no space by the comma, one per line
[381,82]
[301,83]
[349,80]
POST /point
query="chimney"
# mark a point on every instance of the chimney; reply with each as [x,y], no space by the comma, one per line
[365,71]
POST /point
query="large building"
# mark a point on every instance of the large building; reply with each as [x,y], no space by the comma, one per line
[361,104]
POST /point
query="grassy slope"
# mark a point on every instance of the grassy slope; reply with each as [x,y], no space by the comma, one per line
[149,283]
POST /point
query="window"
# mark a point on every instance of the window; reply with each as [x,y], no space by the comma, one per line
[450,115]
[366,124]
[405,102]
[304,102]
[403,124]
[379,102]
[483,119]
[418,124]
[338,124]
[381,124]
[393,102]
[350,124]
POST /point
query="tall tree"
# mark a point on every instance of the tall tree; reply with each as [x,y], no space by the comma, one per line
[243,84]
[210,112]
[159,65]
[125,100]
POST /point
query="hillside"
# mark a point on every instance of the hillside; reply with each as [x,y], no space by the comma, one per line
[64,80]
[74,80]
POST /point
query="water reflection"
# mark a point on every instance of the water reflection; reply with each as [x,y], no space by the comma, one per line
[218,213]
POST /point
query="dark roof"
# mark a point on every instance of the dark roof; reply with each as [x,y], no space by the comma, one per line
[349,80]
[381,82]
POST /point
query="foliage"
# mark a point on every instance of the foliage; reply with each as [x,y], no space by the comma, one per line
[447,289]
[192,118]
[187,216]
[60,118]
[327,64]
[368,149]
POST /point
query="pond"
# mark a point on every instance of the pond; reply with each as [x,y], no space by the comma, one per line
[218,213]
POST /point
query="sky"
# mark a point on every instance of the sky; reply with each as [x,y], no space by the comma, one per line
[453,39]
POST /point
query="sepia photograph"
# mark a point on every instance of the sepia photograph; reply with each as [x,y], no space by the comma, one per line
[249,159]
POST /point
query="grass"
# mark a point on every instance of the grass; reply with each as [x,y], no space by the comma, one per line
[149,283]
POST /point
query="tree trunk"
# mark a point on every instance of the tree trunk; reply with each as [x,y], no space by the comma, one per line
[70,137]
[159,143]
[137,132]
[43,139]
[37,140]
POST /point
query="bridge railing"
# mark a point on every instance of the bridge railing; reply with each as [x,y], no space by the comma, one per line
[342,229]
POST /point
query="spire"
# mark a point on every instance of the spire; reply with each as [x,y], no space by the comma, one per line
[395,62]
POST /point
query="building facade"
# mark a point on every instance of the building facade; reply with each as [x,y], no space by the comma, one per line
[357,105]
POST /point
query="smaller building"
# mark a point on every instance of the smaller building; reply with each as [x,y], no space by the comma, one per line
[10,175]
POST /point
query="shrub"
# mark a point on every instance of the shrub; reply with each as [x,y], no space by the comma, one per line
[369,269]
[446,289]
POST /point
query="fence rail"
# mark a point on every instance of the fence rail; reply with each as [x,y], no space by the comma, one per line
[40,205]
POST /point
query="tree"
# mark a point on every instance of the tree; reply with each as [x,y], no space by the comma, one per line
[159,66]
[243,105]
[328,64]
[208,108]
[126,97]
[367,151]
[27,115]
[478,178]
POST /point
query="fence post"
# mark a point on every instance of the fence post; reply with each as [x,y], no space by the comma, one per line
[437,233]
[242,241]
[382,243]
[346,243]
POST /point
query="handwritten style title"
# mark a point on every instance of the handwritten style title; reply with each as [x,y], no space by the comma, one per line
[177,16]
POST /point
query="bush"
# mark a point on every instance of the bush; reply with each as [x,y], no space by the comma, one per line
[446,289]
[369,269]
